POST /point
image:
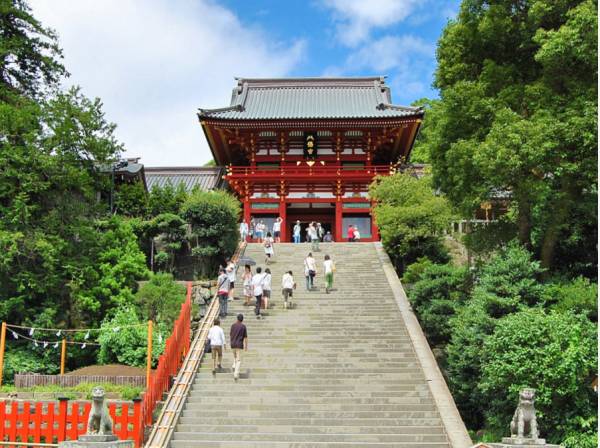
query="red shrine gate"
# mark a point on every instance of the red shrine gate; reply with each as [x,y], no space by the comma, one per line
[307,149]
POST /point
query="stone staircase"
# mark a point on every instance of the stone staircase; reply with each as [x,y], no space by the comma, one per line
[339,370]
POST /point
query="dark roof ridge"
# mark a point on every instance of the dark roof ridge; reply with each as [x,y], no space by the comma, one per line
[309,82]
[181,168]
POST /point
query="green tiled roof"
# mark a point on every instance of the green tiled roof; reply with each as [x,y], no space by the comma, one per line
[310,98]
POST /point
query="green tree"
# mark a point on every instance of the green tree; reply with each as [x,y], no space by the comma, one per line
[554,353]
[131,199]
[29,54]
[213,216]
[166,199]
[507,283]
[518,114]
[439,292]
[411,218]
[123,339]
[160,299]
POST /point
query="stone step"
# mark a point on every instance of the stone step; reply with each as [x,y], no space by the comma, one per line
[242,414]
[376,422]
[272,444]
[299,437]
[309,429]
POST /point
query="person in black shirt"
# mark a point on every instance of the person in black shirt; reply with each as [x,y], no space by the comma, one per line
[238,341]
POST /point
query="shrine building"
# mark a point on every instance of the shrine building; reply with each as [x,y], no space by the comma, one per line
[307,148]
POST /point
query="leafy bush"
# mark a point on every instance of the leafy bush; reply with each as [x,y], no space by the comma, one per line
[507,283]
[414,271]
[437,295]
[160,299]
[554,353]
[167,199]
[578,295]
[131,199]
[213,216]
[411,218]
[25,359]
[112,280]
[128,345]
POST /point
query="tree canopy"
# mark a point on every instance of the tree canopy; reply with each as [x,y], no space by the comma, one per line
[517,116]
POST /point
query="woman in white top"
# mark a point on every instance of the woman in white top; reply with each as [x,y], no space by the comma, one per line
[356,234]
[267,288]
[287,287]
[328,269]
[217,344]
[310,271]
[277,229]
[268,245]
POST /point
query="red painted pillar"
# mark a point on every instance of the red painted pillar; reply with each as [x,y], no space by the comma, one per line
[339,230]
[247,212]
[374,228]
[283,215]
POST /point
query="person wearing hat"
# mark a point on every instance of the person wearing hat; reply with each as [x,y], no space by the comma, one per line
[238,341]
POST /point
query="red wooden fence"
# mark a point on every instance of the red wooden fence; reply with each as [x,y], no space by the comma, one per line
[52,422]
[32,421]
[170,361]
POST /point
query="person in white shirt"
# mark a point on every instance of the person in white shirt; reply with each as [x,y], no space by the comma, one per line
[328,269]
[313,236]
[268,244]
[257,288]
[277,229]
[297,229]
[243,231]
[230,270]
[267,288]
[217,344]
[310,271]
[287,288]
[356,234]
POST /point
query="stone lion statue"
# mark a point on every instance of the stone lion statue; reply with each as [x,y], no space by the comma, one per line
[99,421]
[524,423]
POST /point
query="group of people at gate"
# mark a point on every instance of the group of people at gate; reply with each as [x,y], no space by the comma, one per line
[313,233]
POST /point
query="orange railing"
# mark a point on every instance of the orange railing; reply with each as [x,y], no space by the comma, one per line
[51,422]
[23,420]
[170,361]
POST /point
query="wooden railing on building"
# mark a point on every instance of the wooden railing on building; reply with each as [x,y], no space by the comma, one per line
[53,422]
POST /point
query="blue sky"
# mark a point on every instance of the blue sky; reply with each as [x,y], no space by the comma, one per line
[154,62]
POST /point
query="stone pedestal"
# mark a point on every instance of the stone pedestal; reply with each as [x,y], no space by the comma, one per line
[97,441]
[521,442]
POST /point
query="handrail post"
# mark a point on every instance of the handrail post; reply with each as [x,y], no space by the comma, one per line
[63,356]
[149,354]
[2,343]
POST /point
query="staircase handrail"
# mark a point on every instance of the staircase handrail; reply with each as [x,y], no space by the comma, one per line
[171,410]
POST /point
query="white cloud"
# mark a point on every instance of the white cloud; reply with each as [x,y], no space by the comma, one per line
[356,18]
[154,63]
[408,60]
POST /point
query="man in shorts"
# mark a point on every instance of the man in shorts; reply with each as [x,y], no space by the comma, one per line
[277,229]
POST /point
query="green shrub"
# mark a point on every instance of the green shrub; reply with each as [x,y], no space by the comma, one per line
[213,216]
[160,299]
[555,354]
[507,283]
[411,218]
[413,272]
[128,345]
[578,295]
[26,359]
[436,296]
